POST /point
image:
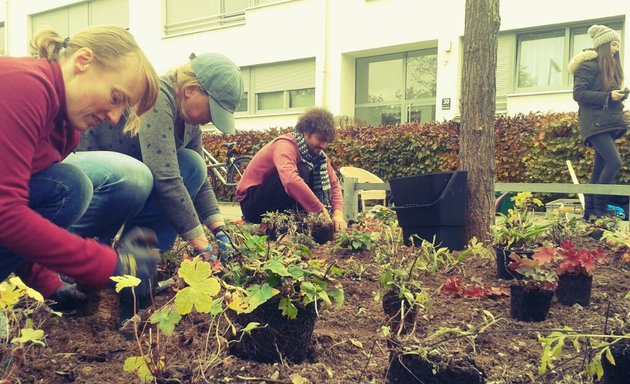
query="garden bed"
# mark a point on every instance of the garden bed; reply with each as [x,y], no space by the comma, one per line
[347,344]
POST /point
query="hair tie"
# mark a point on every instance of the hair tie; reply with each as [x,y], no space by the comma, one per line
[65,42]
[192,56]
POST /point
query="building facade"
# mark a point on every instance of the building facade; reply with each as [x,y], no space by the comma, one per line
[380,61]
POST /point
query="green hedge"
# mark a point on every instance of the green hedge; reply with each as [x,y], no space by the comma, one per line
[528,148]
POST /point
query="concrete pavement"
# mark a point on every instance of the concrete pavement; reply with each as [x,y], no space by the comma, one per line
[230,211]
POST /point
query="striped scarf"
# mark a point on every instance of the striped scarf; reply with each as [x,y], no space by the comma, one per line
[317,164]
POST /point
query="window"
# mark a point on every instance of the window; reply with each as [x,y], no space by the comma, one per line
[2,47]
[189,16]
[69,20]
[397,88]
[542,57]
[278,87]
[243,106]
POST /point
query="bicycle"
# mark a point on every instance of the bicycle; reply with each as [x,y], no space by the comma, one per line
[230,171]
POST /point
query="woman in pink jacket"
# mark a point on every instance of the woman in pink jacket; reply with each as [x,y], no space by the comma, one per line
[293,173]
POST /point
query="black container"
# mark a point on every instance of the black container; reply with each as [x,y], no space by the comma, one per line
[574,289]
[620,372]
[529,304]
[503,259]
[279,338]
[451,237]
[411,368]
[432,205]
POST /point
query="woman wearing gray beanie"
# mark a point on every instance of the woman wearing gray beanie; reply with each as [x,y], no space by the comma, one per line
[599,92]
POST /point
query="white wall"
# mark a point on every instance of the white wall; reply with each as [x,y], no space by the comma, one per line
[335,33]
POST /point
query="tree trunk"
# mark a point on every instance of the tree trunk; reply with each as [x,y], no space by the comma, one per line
[476,138]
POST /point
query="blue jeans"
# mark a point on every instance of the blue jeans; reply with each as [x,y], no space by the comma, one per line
[124,194]
[122,185]
[605,168]
[61,193]
[193,171]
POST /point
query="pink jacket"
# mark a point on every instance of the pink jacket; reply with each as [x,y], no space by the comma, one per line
[282,156]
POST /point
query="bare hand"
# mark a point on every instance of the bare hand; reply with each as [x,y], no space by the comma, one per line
[619,94]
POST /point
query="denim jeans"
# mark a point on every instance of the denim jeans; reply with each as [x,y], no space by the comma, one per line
[122,185]
[606,165]
[61,193]
[193,170]
[124,195]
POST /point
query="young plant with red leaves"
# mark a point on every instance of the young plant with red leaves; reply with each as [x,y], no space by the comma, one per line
[536,271]
[454,288]
[579,261]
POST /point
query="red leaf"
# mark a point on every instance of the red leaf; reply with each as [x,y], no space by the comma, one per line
[474,293]
[453,287]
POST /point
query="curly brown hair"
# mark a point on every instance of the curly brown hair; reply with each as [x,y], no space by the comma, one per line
[319,121]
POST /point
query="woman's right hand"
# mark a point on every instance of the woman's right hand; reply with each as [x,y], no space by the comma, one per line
[618,94]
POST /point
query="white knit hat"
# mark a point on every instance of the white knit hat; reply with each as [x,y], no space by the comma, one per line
[601,34]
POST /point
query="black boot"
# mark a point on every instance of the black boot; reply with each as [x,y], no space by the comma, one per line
[600,206]
[588,207]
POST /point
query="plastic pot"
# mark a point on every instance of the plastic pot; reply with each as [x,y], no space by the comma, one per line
[574,289]
[529,303]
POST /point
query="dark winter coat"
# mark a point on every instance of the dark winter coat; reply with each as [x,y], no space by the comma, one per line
[597,112]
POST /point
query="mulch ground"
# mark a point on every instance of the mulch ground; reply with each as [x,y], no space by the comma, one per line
[348,345]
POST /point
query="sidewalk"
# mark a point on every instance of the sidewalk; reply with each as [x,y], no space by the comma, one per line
[230,210]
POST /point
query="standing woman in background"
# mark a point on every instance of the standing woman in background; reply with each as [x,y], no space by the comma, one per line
[599,92]
[45,103]
[206,89]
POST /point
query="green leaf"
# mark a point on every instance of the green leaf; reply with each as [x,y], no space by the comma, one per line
[29,335]
[251,326]
[609,356]
[125,281]
[216,307]
[277,267]
[309,290]
[166,319]
[139,365]
[288,309]
[337,295]
[258,295]
[296,272]
[202,287]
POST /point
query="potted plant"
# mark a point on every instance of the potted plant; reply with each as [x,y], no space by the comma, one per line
[402,294]
[289,223]
[517,232]
[530,297]
[274,285]
[575,272]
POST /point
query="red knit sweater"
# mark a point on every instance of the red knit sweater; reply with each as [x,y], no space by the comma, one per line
[33,135]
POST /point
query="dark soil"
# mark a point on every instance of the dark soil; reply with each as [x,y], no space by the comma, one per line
[347,344]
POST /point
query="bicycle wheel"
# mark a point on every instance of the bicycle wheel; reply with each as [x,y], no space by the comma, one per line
[237,168]
[213,179]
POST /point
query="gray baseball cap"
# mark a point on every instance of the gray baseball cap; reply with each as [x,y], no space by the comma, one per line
[222,80]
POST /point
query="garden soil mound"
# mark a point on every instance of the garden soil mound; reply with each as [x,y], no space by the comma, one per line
[348,345]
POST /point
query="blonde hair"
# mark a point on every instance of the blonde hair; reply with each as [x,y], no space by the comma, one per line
[183,77]
[110,45]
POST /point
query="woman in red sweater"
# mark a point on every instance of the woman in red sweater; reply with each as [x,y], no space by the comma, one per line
[44,104]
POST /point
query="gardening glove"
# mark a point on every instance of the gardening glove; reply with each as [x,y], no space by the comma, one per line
[338,221]
[139,257]
[68,298]
[226,251]
[206,253]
